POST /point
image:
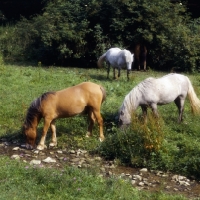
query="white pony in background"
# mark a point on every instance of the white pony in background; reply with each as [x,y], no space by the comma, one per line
[152,92]
[118,59]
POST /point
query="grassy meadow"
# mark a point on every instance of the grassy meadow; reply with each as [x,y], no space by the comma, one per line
[162,144]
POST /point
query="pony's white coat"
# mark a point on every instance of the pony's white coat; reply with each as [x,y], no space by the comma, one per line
[152,92]
[118,59]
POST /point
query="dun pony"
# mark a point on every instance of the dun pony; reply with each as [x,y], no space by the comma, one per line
[118,59]
[86,98]
[152,92]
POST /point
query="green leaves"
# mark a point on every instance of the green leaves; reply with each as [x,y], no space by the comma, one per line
[83,30]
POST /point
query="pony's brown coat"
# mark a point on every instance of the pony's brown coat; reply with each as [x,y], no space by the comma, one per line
[84,98]
[140,54]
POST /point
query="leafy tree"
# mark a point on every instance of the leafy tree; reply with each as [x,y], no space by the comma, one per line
[70,31]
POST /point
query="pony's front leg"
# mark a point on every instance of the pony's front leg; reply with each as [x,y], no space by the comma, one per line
[114,76]
[119,72]
[100,122]
[53,139]
[41,144]
[180,104]
[144,112]
[154,109]
[108,70]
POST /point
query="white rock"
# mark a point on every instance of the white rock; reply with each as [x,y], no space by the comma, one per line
[75,160]
[83,151]
[144,170]
[141,184]
[15,149]
[97,158]
[35,162]
[49,160]
[72,151]
[175,177]
[16,157]
[184,183]
[137,177]
[36,151]
[133,182]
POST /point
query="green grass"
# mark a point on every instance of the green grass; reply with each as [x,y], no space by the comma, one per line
[20,181]
[179,149]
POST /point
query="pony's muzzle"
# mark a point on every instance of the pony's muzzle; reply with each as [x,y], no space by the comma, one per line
[120,123]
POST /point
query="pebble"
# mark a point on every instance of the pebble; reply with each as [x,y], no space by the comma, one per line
[35,162]
[133,182]
[144,170]
[49,160]
[36,151]
[16,157]
[72,151]
[15,149]
[137,177]
[141,184]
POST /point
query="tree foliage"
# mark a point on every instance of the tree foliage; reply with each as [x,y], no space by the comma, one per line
[80,31]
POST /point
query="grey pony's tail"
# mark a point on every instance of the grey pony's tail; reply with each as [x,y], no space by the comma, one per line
[101,60]
[194,101]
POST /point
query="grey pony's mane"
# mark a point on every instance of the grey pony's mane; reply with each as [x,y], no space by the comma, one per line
[127,54]
[34,109]
[132,99]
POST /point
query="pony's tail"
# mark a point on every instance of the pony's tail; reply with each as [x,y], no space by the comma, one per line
[101,60]
[104,94]
[194,101]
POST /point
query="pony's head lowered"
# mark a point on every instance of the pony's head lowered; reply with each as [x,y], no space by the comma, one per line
[128,106]
[129,58]
[124,116]
[30,125]
[30,134]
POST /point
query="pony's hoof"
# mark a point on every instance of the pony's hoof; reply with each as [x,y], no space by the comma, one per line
[101,139]
[88,135]
[52,144]
[41,147]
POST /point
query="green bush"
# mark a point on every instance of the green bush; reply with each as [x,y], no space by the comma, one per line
[77,33]
[149,145]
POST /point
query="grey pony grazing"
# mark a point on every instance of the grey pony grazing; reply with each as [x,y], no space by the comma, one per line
[152,92]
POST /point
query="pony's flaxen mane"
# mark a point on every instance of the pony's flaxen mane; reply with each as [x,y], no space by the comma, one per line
[34,109]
